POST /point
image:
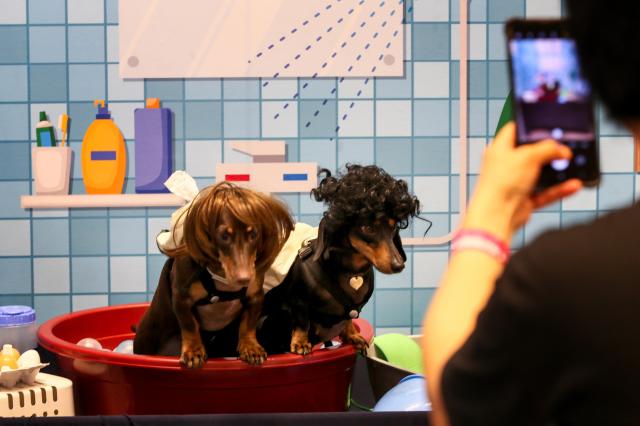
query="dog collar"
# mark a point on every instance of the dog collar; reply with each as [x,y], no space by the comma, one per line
[217,277]
[214,295]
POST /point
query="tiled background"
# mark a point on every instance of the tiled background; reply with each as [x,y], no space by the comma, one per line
[59,55]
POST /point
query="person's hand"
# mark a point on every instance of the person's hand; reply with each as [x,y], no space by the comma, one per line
[504,199]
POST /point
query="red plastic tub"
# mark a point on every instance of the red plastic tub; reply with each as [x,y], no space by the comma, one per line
[112,383]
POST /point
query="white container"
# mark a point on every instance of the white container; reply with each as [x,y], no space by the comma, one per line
[18,327]
[51,169]
[49,396]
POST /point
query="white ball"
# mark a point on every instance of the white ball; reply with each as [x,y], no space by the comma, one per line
[125,347]
[90,343]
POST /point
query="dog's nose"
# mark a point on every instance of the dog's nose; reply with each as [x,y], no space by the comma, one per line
[397,266]
[243,278]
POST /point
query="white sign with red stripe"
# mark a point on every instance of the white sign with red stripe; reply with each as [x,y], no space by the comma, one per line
[270,177]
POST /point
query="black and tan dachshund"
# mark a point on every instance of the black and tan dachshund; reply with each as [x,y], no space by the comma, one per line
[332,277]
[210,292]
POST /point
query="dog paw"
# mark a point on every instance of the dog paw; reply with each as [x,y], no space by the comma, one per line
[252,353]
[359,342]
[301,347]
[300,342]
[193,357]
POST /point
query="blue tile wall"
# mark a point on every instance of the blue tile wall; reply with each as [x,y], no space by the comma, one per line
[47,11]
[60,55]
[47,44]
[13,44]
[90,274]
[242,120]
[13,83]
[169,90]
[16,276]
[48,83]
[86,43]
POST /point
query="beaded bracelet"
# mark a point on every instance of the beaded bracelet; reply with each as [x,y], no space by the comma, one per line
[475,239]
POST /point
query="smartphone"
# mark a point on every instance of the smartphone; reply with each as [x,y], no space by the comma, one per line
[551,98]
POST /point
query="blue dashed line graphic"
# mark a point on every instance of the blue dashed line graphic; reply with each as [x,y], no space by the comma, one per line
[345,116]
[334,54]
[308,47]
[304,24]
[359,57]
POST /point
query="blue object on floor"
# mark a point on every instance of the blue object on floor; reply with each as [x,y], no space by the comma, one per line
[410,394]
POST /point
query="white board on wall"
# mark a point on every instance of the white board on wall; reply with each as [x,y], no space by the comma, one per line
[260,38]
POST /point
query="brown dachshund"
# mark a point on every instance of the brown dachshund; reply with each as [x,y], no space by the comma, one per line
[332,277]
[210,293]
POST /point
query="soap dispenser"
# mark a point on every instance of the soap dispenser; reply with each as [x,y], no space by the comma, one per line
[104,154]
[152,147]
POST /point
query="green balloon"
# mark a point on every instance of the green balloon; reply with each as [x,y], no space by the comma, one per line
[399,350]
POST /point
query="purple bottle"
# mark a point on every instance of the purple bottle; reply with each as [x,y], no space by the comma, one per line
[153,147]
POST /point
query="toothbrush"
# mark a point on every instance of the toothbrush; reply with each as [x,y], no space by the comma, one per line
[63,125]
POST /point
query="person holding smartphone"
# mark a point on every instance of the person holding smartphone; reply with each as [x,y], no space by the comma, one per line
[550,335]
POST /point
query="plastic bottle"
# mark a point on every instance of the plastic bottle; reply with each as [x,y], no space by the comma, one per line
[9,357]
[104,155]
[153,147]
[44,131]
[18,327]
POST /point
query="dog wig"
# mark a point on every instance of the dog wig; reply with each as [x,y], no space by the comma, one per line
[268,216]
[364,193]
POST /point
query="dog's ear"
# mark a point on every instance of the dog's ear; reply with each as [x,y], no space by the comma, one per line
[397,241]
[322,242]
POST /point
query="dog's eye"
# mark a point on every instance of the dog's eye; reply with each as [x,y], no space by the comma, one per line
[225,237]
[367,229]
[252,235]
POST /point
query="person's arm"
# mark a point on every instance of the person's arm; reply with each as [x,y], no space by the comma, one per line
[502,202]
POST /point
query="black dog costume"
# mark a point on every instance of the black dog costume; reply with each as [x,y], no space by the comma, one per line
[332,277]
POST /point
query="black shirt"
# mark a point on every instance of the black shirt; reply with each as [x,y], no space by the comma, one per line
[559,339]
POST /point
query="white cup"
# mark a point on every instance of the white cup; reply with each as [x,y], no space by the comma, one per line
[51,169]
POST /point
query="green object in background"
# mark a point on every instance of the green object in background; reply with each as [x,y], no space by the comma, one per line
[507,113]
[400,350]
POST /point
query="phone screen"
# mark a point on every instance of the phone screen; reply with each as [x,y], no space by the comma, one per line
[552,100]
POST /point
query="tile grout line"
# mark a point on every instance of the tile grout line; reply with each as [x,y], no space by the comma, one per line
[66,46]
[29,161]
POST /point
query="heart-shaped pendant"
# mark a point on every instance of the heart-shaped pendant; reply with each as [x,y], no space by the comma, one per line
[356,283]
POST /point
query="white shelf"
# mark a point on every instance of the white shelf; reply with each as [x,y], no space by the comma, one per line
[99,201]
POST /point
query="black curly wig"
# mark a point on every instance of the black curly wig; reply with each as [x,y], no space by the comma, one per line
[364,193]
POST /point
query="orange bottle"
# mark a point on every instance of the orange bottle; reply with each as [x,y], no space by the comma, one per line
[104,155]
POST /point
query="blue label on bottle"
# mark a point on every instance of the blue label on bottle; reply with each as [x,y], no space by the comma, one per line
[103,155]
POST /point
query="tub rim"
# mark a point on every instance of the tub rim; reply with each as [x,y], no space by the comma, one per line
[61,347]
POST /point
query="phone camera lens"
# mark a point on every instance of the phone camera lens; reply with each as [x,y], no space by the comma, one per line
[557,133]
[559,165]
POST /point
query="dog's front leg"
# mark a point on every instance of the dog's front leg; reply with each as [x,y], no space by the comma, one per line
[300,334]
[193,353]
[249,349]
[300,341]
[351,335]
